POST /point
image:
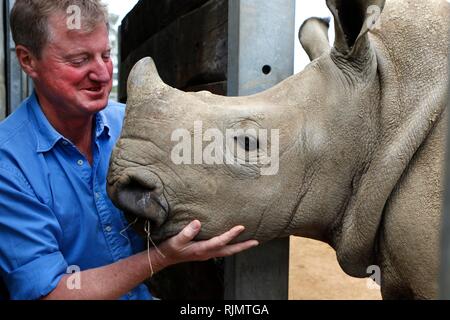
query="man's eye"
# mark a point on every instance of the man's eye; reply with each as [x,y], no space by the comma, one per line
[78,62]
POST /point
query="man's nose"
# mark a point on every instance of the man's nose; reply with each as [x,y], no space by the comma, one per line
[100,71]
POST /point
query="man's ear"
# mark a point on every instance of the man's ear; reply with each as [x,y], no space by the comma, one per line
[353,20]
[313,36]
[27,60]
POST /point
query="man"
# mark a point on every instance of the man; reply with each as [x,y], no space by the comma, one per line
[54,155]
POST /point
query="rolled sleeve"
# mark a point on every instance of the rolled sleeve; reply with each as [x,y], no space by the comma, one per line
[37,278]
[31,262]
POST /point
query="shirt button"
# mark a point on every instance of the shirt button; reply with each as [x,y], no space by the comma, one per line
[130,295]
[80,162]
[65,142]
[97,195]
[108,229]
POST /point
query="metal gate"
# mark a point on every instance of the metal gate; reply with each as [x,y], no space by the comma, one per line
[269,26]
[18,85]
[445,238]
[2,62]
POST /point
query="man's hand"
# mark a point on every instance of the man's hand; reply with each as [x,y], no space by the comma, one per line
[182,248]
[115,280]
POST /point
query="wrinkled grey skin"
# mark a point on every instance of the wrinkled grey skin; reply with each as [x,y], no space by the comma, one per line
[361,149]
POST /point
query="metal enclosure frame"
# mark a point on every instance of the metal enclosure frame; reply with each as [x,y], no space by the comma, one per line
[260,55]
[18,85]
[444,285]
[2,61]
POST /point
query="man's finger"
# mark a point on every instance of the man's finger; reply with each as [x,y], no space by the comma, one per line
[189,232]
[223,239]
[236,248]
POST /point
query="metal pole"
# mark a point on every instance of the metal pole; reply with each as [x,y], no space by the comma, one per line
[2,62]
[445,238]
[260,55]
[17,83]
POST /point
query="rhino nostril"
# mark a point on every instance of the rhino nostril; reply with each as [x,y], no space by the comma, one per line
[144,201]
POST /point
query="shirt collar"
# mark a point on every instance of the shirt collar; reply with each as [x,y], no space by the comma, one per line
[47,136]
[101,124]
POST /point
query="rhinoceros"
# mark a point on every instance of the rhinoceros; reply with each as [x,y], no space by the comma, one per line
[360,141]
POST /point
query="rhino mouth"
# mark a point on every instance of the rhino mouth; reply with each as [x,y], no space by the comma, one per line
[141,197]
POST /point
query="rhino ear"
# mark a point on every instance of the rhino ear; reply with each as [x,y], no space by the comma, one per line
[353,20]
[143,80]
[313,36]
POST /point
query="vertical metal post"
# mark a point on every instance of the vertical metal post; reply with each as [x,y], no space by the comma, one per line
[445,237]
[2,62]
[18,86]
[120,94]
[260,55]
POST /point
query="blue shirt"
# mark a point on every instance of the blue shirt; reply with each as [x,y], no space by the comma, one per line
[54,209]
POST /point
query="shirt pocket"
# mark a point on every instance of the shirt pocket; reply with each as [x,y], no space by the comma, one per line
[67,206]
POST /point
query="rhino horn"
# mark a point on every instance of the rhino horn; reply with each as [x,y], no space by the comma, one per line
[144,80]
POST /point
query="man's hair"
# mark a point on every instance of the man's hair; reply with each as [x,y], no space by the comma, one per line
[30,19]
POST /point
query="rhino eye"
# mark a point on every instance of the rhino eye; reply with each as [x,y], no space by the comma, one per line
[248,143]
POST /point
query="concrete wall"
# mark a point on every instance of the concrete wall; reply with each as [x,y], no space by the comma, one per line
[2,62]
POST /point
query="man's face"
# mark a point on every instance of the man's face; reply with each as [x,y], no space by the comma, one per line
[74,74]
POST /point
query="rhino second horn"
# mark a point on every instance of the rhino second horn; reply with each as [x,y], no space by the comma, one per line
[144,80]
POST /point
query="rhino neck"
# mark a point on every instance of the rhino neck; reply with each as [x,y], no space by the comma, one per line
[413,82]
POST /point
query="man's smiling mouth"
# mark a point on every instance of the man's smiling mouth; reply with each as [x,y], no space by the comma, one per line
[94,89]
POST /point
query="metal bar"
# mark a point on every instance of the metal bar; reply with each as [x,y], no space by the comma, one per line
[120,94]
[17,84]
[261,44]
[2,62]
[444,291]
[260,55]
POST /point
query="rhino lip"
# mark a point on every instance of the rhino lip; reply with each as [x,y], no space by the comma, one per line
[143,203]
